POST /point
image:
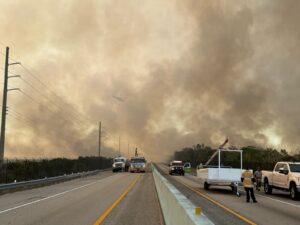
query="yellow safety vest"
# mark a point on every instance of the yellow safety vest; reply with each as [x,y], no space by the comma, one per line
[247,175]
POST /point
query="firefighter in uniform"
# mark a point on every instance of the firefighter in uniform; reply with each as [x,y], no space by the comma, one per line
[248,180]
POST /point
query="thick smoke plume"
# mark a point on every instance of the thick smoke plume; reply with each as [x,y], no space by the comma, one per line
[183,72]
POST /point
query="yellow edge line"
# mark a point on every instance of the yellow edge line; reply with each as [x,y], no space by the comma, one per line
[107,212]
[220,205]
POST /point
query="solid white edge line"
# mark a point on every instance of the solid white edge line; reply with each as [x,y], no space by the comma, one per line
[51,196]
[277,200]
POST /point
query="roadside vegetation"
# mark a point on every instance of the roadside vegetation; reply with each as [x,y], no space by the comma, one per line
[252,156]
[23,170]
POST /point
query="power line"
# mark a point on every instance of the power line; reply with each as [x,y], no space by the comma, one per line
[72,113]
[48,88]
[35,101]
[47,107]
[26,121]
[21,120]
[44,106]
[40,102]
[50,101]
[45,136]
[10,58]
[10,110]
[30,125]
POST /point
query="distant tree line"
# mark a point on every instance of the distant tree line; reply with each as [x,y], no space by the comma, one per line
[253,157]
[23,170]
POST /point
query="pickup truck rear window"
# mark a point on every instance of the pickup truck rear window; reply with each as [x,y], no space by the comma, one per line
[295,167]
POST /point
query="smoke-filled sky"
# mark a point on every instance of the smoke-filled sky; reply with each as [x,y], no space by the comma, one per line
[188,72]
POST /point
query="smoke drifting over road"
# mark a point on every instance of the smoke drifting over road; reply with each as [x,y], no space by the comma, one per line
[189,72]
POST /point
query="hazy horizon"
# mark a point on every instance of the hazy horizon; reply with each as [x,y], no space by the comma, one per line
[161,74]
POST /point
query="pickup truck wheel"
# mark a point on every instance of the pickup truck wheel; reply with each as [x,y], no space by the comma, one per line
[267,187]
[206,186]
[293,192]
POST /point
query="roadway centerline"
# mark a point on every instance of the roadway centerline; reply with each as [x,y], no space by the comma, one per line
[108,211]
[51,196]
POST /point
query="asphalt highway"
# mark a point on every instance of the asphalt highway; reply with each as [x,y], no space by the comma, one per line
[106,198]
[131,199]
[223,207]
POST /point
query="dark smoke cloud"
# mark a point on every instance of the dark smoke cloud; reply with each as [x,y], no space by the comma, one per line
[189,72]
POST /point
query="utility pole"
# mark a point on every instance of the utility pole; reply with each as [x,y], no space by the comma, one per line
[4,104]
[119,146]
[4,109]
[128,150]
[99,139]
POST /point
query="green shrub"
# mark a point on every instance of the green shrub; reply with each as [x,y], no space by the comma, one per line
[23,170]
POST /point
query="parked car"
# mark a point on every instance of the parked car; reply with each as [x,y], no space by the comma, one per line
[119,164]
[137,164]
[285,176]
[176,167]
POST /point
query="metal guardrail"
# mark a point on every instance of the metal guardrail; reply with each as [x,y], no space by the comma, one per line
[45,181]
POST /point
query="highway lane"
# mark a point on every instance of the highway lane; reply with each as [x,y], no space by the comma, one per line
[270,209]
[81,201]
[140,207]
[10,200]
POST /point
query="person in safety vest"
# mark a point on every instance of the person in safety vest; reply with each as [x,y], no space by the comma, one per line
[248,180]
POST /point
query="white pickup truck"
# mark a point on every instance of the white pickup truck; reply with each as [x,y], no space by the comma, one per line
[285,176]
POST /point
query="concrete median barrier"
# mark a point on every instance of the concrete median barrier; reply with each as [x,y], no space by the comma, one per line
[176,208]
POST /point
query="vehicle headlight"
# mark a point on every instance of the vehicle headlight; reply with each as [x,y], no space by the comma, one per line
[114,165]
[144,165]
[172,168]
[131,166]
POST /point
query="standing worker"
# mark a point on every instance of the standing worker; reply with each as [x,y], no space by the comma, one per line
[248,180]
[258,177]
